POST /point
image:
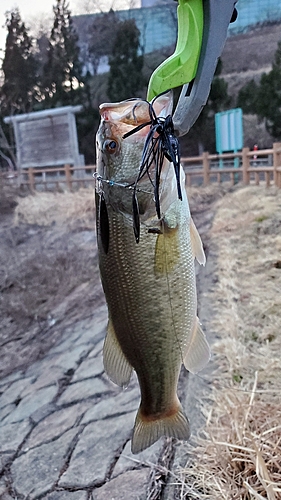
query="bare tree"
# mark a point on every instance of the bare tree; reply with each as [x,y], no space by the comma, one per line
[91,6]
[102,33]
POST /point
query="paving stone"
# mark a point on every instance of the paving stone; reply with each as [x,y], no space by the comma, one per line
[97,350]
[3,387]
[14,391]
[50,375]
[3,487]
[82,390]
[71,357]
[89,332]
[43,412]
[63,345]
[31,403]
[67,495]
[43,366]
[91,367]
[55,425]
[94,333]
[4,495]
[36,472]
[132,486]
[4,459]
[11,378]
[123,402]
[128,461]
[6,411]
[180,459]
[66,360]
[96,451]
[12,435]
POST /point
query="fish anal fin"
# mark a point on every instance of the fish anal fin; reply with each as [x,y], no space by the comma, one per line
[198,351]
[196,244]
[148,430]
[116,365]
[167,251]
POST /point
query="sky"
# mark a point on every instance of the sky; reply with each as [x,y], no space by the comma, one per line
[34,12]
[29,11]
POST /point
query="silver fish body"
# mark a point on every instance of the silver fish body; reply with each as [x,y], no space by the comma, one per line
[149,286]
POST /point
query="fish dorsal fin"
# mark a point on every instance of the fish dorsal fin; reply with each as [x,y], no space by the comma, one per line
[196,244]
[115,363]
[198,351]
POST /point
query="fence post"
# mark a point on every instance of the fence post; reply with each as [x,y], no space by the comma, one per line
[245,165]
[31,180]
[68,176]
[206,168]
[276,162]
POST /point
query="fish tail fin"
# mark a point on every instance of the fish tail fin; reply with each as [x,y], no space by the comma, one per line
[147,430]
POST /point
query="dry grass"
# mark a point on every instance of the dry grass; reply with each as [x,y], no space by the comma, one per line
[238,455]
[47,208]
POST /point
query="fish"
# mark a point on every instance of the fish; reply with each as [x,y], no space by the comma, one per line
[149,282]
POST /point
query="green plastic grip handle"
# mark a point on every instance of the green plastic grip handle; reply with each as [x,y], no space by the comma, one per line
[181,67]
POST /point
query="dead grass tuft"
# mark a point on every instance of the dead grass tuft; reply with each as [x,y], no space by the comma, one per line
[238,453]
[47,208]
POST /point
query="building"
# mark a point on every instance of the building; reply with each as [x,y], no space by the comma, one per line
[157,22]
[255,12]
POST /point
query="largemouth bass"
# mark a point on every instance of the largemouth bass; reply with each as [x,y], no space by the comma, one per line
[149,285]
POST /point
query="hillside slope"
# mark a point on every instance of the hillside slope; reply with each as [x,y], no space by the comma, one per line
[248,55]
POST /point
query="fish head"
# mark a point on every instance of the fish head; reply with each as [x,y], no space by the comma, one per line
[119,158]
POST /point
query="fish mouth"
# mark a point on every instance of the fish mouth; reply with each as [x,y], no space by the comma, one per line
[134,120]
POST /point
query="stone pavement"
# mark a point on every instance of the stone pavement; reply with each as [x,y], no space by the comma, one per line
[65,429]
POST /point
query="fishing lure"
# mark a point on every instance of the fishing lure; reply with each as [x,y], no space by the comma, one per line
[161,142]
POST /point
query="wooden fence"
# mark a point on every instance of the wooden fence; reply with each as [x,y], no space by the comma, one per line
[245,166]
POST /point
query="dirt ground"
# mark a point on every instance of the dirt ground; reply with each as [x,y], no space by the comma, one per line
[49,274]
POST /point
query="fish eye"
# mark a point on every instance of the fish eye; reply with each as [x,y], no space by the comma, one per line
[110,145]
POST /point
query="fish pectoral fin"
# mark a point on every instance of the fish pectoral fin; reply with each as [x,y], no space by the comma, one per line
[198,351]
[149,430]
[116,365]
[196,244]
